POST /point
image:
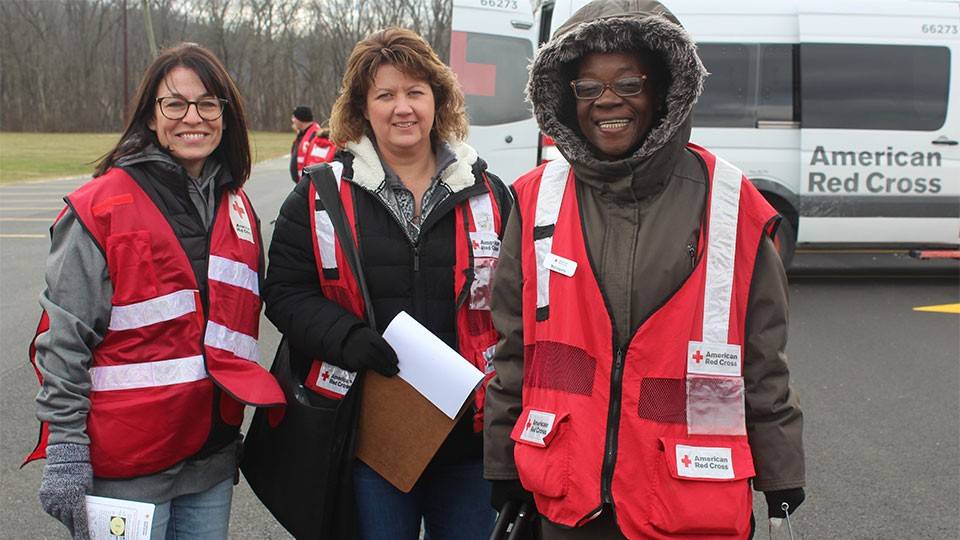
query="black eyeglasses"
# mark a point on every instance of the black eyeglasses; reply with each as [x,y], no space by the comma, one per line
[175,108]
[593,89]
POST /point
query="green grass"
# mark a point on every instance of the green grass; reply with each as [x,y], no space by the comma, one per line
[37,156]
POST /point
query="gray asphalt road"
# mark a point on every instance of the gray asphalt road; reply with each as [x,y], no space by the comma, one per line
[878,382]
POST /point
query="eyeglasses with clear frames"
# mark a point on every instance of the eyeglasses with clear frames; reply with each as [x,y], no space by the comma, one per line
[593,89]
[175,108]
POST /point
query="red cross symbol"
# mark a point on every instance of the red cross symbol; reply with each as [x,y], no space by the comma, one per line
[476,245]
[686,460]
[239,209]
[325,376]
[697,357]
[529,423]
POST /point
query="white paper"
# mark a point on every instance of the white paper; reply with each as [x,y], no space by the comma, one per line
[118,519]
[429,365]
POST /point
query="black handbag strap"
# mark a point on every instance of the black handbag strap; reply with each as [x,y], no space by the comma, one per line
[325,183]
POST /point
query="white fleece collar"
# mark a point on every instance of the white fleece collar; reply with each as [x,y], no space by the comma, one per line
[368,172]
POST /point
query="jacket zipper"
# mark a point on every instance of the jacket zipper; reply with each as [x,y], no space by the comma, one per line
[613,423]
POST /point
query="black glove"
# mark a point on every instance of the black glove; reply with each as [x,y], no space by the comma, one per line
[503,491]
[775,499]
[364,348]
[66,479]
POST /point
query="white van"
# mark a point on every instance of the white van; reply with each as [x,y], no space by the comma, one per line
[845,114]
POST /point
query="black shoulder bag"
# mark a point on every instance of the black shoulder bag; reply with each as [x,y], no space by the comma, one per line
[302,468]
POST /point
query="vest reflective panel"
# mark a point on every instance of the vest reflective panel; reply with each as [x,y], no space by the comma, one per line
[152,375]
[679,460]
[477,252]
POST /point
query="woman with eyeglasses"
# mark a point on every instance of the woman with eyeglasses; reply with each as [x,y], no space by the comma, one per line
[641,387]
[147,348]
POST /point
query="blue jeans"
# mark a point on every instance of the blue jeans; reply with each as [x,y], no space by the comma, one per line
[197,515]
[452,500]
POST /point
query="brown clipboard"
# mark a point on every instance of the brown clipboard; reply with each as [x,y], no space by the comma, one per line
[400,430]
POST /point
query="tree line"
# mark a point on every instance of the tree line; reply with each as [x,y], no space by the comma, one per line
[62,61]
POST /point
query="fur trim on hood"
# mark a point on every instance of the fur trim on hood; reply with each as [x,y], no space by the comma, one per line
[368,172]
[615,26]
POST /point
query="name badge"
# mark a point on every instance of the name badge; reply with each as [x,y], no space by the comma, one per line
[704,462]
[560,265]
[334,382]
[240,218]
[713,359]
[539,427]
[485,245]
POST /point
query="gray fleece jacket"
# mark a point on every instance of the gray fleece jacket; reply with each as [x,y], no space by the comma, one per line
[642,216]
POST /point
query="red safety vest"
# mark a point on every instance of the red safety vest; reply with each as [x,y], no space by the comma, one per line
[657,429]
[477,252]
[153,374]
[314,149]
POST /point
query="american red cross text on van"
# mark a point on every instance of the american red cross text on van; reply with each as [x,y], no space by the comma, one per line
[873,182]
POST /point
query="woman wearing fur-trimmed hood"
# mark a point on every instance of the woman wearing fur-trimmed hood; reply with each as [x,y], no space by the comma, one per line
[625,215]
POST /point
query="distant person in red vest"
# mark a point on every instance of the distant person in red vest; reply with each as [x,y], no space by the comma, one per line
[312,144]
[147,346]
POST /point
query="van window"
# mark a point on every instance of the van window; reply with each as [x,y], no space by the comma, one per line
[748,82]
[493,73]
[896,87]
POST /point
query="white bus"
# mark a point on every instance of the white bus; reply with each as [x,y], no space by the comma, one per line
[845,114]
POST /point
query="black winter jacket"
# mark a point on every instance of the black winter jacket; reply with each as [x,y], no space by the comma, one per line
[400,275]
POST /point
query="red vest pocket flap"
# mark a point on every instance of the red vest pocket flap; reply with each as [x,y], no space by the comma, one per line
[536,427]
[708,460]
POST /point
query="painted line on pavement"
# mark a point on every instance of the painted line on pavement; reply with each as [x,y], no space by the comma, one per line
[942,308]
[48,220]
[5,208]
[23,236]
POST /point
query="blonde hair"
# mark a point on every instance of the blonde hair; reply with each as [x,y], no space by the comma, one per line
[412,55]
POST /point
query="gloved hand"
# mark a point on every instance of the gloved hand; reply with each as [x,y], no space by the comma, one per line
[503,491]
[66,479]
[793,497]
[364,348]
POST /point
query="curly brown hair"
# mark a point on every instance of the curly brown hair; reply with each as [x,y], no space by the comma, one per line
[412,55]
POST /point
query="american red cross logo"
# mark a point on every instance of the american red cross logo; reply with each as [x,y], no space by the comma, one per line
[239,209]
[476,245]
[686,460]
[325,375]
[697,357]
[529,424]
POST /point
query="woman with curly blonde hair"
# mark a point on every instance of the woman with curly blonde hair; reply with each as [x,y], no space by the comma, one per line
[424,220]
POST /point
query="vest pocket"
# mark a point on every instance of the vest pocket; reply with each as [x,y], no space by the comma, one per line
[542,452]
[130,263]
[701,486]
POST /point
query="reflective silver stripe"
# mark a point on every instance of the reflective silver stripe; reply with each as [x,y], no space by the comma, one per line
[238,343]
[148,374]
[552,185]
[482,210]
[153,311]
[323,227]
[234,273]
[721,251]
[326,239]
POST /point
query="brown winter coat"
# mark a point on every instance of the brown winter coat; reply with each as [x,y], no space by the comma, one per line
[642,217]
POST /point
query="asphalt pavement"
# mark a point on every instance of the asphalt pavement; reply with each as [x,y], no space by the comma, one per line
[879,383]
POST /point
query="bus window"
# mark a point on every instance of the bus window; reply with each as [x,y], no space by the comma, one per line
[493,73]
[893,87]
[748,82]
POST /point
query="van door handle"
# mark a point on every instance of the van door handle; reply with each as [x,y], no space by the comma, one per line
[944,141]
[509,139]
